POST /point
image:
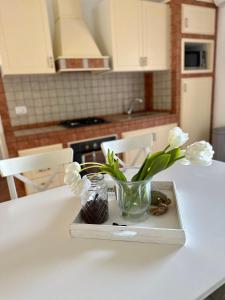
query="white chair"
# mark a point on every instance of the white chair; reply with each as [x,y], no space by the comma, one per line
[12,167]
[142,143]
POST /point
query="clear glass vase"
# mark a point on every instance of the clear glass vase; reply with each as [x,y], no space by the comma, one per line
[134,198]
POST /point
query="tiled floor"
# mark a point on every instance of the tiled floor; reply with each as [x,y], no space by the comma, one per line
[4,193]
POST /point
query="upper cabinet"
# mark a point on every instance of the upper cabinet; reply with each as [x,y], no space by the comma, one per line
[198,20]
[25,42]
[134,33]
[156,35]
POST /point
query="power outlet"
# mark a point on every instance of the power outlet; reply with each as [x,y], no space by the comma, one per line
[21,110]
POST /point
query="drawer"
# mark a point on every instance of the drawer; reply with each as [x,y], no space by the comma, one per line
[43,172]
[57,181]
[32,151]
[38,150]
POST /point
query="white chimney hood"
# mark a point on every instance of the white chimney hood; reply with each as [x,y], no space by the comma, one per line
[74,47]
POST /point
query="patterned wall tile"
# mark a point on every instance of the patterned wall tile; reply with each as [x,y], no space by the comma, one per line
[75,95]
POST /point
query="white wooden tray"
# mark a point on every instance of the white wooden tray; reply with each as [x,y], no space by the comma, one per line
[166,228]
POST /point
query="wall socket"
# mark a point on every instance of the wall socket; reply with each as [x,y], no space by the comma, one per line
[21,110]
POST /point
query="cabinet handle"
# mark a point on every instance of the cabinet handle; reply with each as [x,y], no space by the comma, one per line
[186,22]
[51,62]
[185,87]
[143,61]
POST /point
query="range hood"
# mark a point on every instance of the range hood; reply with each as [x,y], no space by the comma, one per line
[74,47]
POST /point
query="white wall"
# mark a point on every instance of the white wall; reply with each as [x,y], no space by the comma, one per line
[219,106]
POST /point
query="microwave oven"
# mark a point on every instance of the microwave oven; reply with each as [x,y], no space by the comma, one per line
[195,59]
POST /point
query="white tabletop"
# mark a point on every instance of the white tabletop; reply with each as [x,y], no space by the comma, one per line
[39,260]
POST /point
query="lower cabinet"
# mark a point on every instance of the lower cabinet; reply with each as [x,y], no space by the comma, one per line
[160,136]
[196,99]
[41,177]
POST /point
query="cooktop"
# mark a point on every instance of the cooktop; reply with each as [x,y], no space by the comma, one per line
[83,122]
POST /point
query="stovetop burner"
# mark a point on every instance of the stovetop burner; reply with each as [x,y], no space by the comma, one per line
[83,122]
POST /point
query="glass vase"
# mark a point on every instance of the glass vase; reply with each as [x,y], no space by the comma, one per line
[134,198]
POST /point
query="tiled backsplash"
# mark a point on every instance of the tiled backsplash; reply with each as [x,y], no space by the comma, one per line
[76,95]
[162,90]
[71,95]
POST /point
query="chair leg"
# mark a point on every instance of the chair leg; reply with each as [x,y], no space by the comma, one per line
[12,187]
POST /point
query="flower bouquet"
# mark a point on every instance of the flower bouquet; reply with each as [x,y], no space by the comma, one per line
[134,192]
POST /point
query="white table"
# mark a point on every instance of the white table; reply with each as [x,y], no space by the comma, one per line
[38,259]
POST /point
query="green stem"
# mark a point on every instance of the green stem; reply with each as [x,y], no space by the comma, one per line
[179,158]
[167,147]
[91,163]
[87,168]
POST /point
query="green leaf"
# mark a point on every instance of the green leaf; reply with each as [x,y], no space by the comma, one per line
[114,173]
[159,164]
[175,154]
[109,157]
[148,163]
[136,176]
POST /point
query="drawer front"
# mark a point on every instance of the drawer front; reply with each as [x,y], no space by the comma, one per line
[43,172]
[39,150]
[57,181]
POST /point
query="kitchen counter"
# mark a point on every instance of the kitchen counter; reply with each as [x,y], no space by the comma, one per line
[41,134]
[110,119]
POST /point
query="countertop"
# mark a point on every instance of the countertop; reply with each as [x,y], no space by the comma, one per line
[38,135]
[110,120]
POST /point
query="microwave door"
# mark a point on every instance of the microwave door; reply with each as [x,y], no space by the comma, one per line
[192,59]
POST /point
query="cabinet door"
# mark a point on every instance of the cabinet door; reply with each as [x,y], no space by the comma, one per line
[199,20]
[160,135]
[196,107]
[126,31]
[156,35]
[25,37]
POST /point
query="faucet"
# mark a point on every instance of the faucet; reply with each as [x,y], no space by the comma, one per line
[131,105]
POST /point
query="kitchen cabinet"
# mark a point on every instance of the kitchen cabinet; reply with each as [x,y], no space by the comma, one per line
[134,33]
[160,137]
[25,42]
[41,177]
[198,19]
[196,98]
[156,35]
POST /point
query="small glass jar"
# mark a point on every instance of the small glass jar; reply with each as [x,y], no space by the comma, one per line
[95,208]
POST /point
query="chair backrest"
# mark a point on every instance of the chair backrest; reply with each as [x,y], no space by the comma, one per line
[13,167]
[143,143]
[3,146]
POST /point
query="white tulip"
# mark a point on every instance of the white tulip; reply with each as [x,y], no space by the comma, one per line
[71,177]
[177,137]
[74,166]
[199,153]
[80,186]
